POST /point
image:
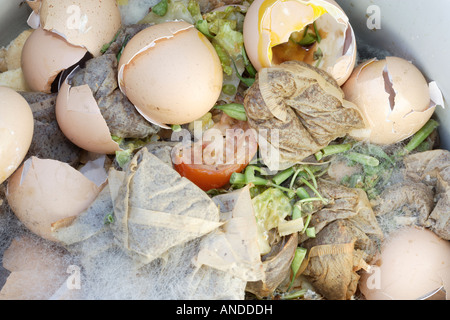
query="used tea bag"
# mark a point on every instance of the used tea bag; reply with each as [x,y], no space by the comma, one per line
[333,261]
[156,209]
[304,106]
[233,247]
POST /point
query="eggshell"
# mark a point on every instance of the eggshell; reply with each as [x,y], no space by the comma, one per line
[44,55]
[81,121]
[16,131]
[44,192]
[37,269]
[269,23]
[85,23]
[171,73]
[394,98]
[413,263]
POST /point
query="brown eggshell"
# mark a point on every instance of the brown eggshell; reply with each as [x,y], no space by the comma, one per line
[44,55]
[37,270]
[81,121]
[43,192]
[86,23]
[16,131]
[394,98]
[413,262]
[169,85]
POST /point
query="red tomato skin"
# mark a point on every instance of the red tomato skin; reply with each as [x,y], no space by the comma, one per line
[208,177]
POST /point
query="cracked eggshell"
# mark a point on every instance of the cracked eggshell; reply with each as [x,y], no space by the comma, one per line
[393,97]
[37,269]
[16,131]
[412,263]
[45,193]
[269,23]
[85,23]
[44,55]
[171,73]
[81,121]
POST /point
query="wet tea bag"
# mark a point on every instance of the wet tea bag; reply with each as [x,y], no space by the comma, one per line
[156,209]
[304,106]
[234,247]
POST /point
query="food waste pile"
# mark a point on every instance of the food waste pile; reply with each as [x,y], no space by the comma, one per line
[203,149]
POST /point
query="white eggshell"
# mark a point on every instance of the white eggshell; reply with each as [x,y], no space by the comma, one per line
[413,263]
[44,192]
[81,121]
[16,131]
[171,73]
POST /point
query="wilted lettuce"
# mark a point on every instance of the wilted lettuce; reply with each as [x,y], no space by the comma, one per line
[271,208]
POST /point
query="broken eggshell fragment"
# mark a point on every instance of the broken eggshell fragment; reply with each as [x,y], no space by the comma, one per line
[44,55]
[45,193]
[81,121]
[83,23]
[269,25]
[393,97]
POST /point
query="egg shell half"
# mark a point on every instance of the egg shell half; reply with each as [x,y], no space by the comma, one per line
[171,73]
[44,55]
[86,23]
[16,131]
[81,121]
[44,192]
[393,97]
[269,23]
[413,262]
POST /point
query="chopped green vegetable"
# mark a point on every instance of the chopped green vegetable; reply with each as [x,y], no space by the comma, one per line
[299,256]
[363,159]
[161,8]
[202,26]
[234,110]
[194,10]
[229,89]
[331,150]
[302,193]
[311,232]
[106,46]
[316,31]
[123,157]
[283,176]
[271,208]
[109,218]
[421,135]
[224,58]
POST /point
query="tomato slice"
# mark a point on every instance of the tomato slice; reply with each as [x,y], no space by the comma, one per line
[210,168]
[208,177]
